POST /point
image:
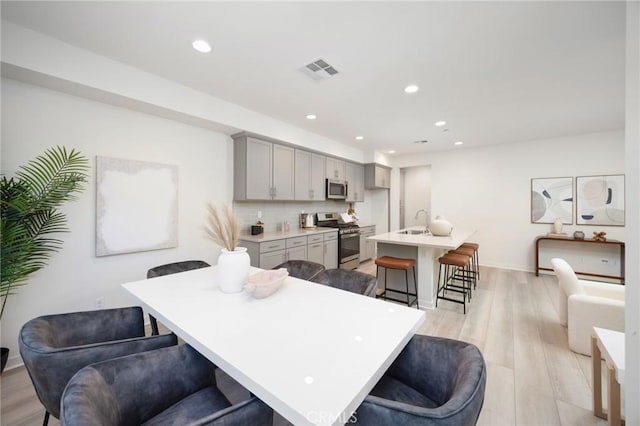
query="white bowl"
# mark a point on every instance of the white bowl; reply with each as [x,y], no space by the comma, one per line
[265,283]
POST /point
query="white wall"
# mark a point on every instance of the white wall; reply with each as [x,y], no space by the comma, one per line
[632,153]
[488,189]
[33,119]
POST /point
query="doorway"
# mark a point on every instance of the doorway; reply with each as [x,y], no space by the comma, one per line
[415,194]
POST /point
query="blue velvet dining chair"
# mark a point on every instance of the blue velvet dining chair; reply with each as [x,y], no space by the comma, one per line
[55,347]
[170,386]
[434,381]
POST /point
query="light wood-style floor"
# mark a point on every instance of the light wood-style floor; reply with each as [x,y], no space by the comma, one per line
[533,377]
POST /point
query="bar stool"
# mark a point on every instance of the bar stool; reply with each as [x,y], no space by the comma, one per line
[472,270]
[398,263]
[453,264]
[476,257]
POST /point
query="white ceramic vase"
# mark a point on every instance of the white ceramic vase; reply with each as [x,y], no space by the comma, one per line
[440,227]
[557,226]
[233,269]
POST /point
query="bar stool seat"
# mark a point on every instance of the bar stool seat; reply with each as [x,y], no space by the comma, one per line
[398,263]
[451,263]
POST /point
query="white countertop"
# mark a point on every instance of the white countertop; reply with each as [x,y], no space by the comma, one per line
[310,351]
[278,235]
[452,241]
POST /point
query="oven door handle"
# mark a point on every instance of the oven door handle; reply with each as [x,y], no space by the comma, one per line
[352,235]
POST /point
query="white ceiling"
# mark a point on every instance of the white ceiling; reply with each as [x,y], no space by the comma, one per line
[497,72]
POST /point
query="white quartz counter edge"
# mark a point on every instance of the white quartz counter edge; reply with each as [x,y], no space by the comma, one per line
[272,236]
[452,241]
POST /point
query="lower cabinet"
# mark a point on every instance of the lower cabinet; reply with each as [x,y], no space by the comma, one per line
[330,250]
[315,248]
[367,247]
[320,248]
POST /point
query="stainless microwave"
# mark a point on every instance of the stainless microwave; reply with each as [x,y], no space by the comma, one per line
[336,189]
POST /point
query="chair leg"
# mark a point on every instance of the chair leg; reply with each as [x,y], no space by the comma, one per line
[154,325]
[46,418]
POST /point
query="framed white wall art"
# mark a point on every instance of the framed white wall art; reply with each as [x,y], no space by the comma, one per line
[136,206]
[600,200]
[551,199]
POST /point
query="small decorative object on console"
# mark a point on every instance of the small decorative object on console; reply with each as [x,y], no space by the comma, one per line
[599,236]
[578,235]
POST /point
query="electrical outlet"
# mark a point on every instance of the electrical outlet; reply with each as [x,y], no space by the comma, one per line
[99,302]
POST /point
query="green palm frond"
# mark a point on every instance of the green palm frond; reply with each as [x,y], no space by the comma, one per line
[28,213]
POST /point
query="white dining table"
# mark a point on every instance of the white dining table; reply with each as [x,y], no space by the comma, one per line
[309,351]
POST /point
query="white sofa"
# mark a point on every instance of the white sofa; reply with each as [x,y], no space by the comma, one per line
[586,304]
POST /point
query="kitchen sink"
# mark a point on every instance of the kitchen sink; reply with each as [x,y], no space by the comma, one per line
[414,232]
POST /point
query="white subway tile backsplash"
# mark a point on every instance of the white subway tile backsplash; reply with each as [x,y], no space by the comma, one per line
[275,213]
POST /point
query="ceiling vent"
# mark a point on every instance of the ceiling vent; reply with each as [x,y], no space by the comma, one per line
[319,70]
[422,141]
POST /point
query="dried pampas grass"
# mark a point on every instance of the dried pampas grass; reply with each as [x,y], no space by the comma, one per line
[223,227]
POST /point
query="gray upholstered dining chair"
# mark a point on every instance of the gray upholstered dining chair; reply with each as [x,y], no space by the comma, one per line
[344,279]
[168,269]
[170,386]
[55,347]
[434,381]
[303,269]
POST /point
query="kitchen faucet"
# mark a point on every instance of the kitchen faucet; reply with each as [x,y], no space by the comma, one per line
[426,228]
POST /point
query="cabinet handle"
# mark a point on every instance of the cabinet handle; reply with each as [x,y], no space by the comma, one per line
[311,193]
[272,247]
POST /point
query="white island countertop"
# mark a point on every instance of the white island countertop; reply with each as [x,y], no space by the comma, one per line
[452,241]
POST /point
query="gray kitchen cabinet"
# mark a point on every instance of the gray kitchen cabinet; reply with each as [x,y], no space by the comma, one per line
[336,169]
[315,248]
[377,176]
[330,250]
[355,182]
[309,176]
[271,259]
[367,247]
[262,170]
[269,254]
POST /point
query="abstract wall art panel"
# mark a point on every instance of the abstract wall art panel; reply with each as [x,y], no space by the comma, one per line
[600,200]
[551,199]
[136,206]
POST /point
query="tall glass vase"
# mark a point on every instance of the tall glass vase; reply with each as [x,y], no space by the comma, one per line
[233,269]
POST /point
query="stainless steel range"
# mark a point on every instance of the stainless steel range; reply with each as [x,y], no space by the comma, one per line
[348,241]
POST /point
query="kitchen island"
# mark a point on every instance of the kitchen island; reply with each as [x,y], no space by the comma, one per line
[425,249]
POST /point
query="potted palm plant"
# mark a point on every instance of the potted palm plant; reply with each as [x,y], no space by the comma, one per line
[29,216]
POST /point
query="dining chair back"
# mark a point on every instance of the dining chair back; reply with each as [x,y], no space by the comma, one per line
[434,381]
[168,269]
[170,386]
[55,347]
[303,269]
[349,280]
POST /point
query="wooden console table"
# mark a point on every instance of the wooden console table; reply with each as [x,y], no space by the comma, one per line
[587,241]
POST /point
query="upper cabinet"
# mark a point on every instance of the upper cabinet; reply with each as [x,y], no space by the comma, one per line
[355,182]
[262,170]
[377,176]
[336,169]
[309,176]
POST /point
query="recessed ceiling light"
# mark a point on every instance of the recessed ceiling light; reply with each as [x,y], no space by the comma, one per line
[201,46]
[311,116]
[458,143]
[441,123]
[412,88]
[392,151]
[359,138]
